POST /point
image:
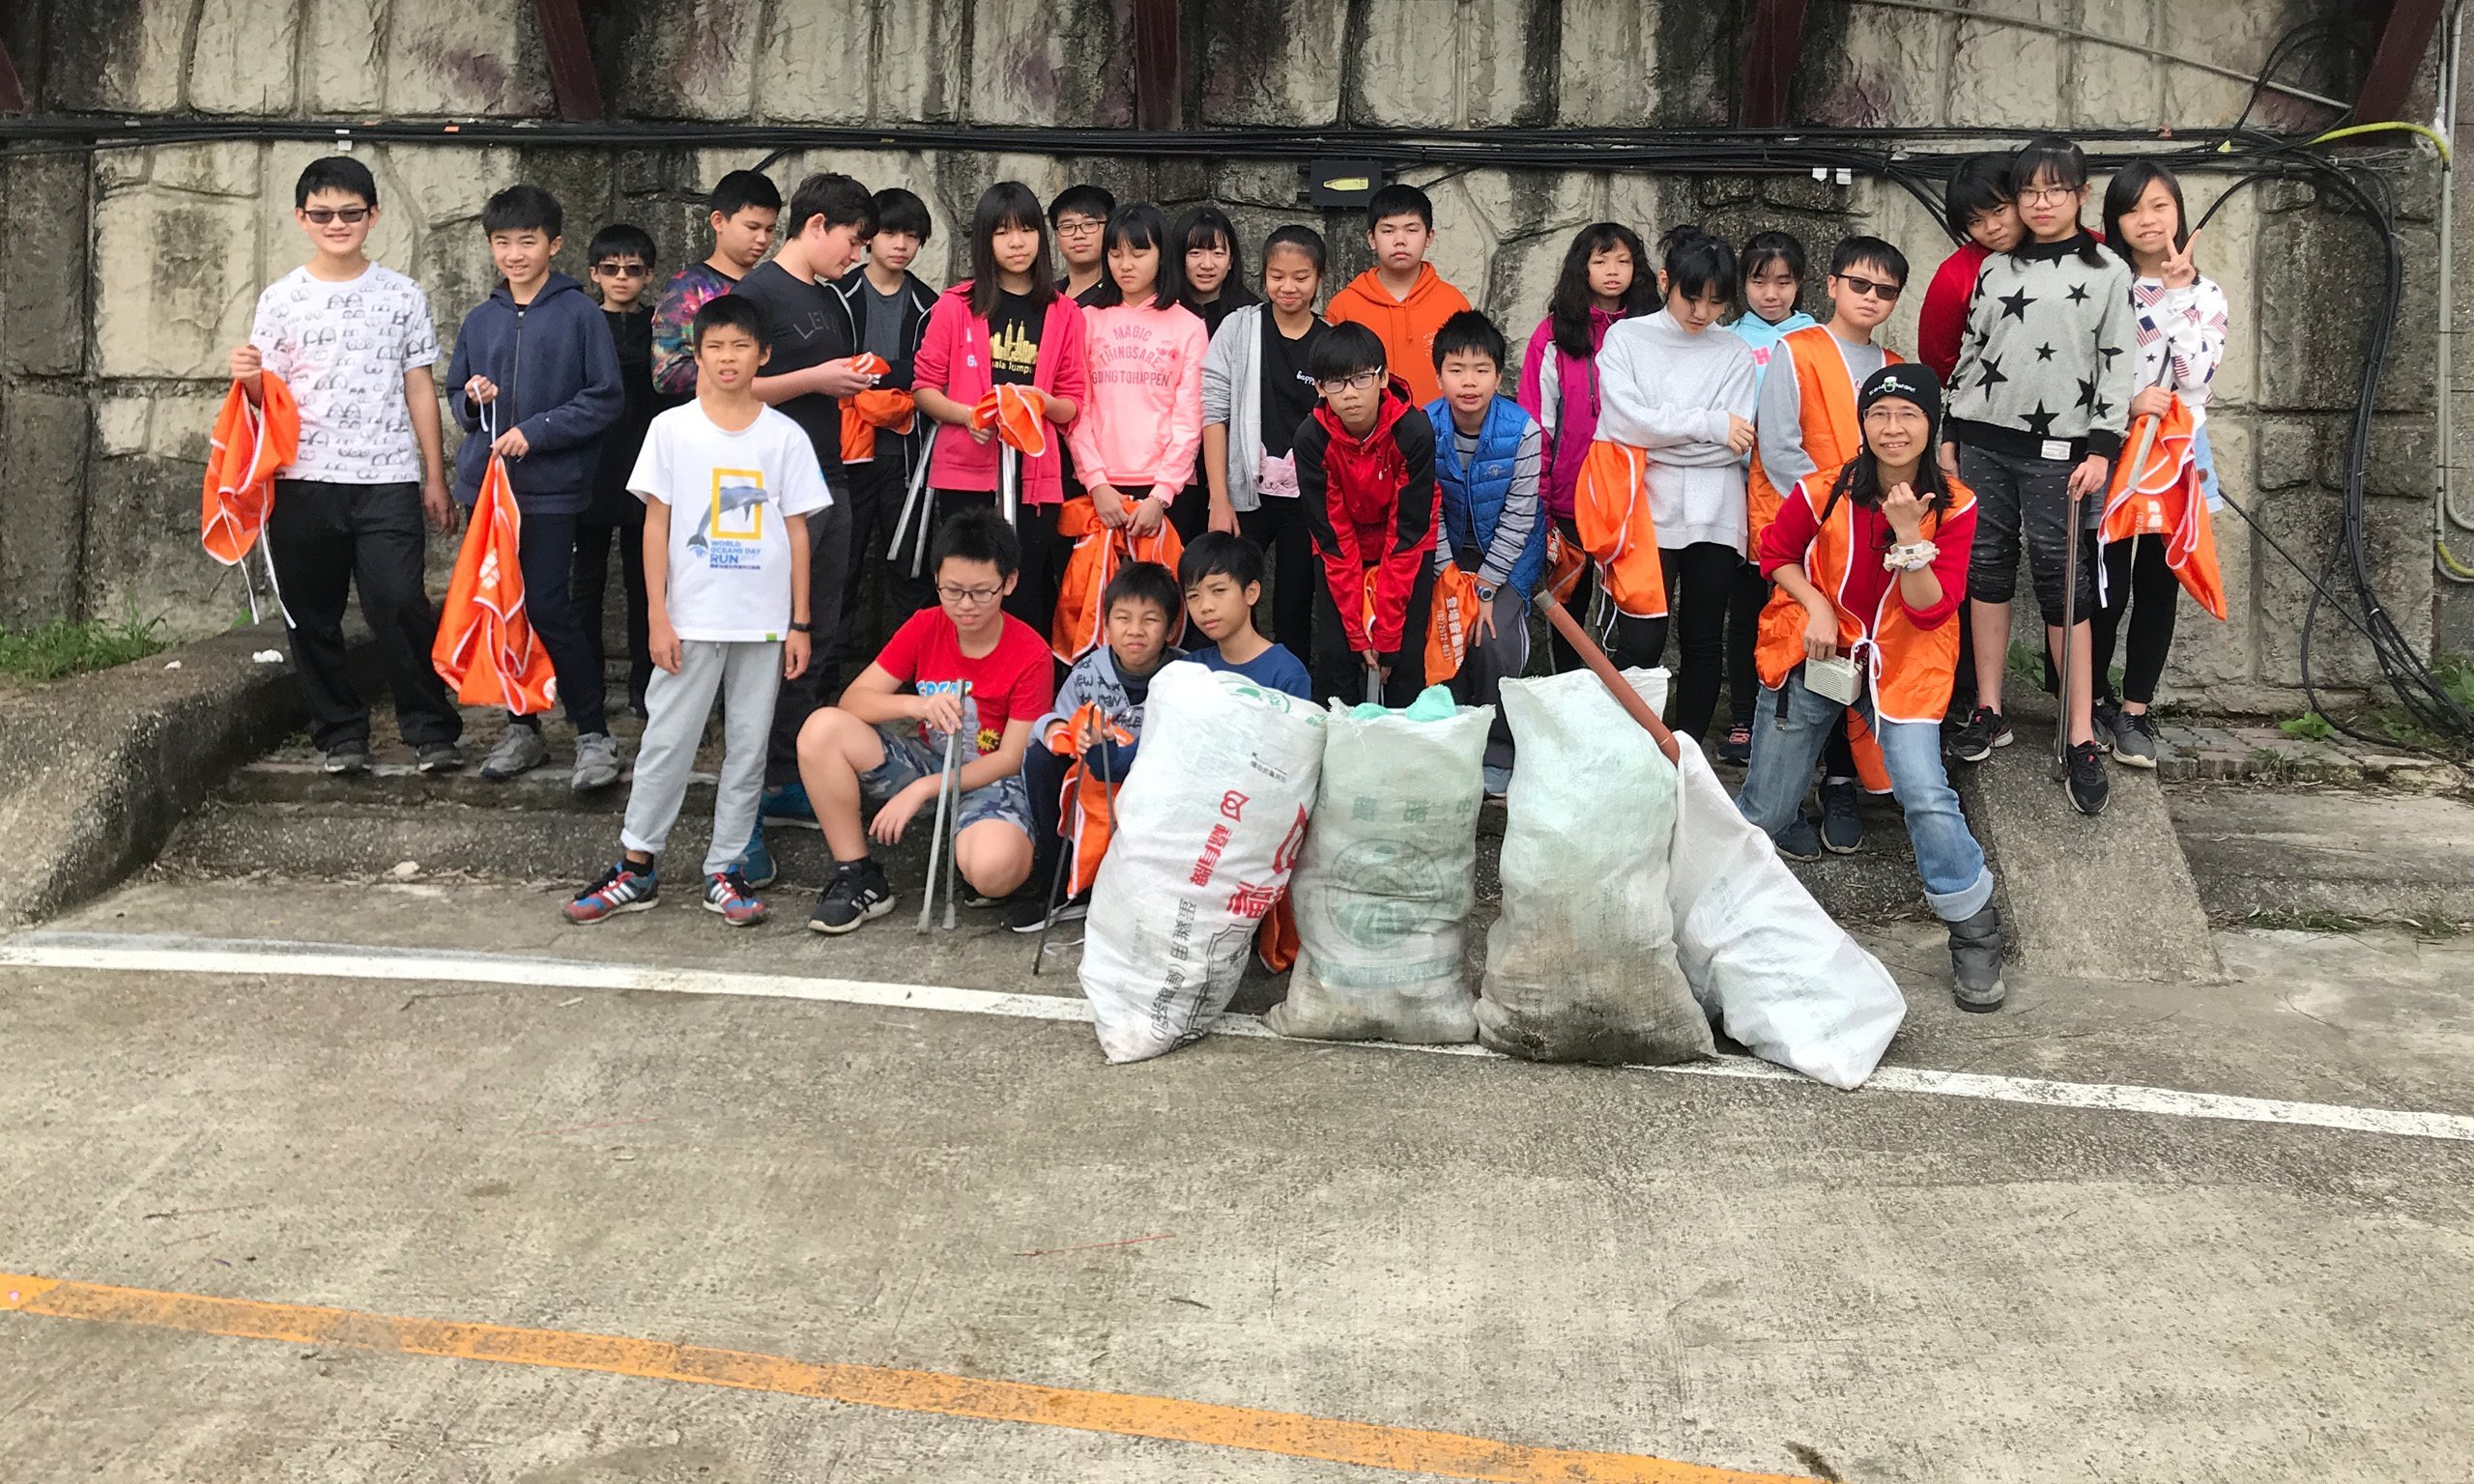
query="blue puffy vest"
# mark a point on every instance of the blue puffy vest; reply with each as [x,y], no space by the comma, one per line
[1474,494]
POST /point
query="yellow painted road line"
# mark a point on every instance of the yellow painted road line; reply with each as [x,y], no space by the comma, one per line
[1287,1434]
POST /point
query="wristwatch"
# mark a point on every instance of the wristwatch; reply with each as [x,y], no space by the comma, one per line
[801,626]
[1485,594]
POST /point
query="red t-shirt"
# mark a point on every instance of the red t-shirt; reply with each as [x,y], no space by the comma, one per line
[1791,535]
[1943,323]
[1012,683]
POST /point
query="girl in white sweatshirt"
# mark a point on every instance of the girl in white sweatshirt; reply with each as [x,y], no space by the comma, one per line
[1674,385]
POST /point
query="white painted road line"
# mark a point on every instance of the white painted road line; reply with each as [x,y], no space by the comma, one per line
[142,954]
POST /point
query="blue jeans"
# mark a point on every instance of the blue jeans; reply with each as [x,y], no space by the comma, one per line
[1792,725]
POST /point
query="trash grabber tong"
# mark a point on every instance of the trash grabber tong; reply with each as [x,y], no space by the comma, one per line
[948,796]
[1604,669]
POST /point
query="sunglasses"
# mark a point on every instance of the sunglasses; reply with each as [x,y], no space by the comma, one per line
[621,270]
[1887,293]
[320,215]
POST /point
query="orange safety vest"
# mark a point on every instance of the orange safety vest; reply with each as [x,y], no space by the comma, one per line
[1911,668]
[2163,498]
[248,444]
[486,650]
[1082,617]
[1086,804]
[1833,432]
[1611,511]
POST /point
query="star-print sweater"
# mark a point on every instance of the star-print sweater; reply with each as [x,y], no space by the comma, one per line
[2047,367]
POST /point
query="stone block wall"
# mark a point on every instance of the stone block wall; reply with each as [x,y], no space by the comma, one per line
[126,274]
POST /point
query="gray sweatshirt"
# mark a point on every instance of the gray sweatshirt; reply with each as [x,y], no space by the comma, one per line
[2047,366]
[1669,391]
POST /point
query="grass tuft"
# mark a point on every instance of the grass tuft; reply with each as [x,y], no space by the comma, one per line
[63,648]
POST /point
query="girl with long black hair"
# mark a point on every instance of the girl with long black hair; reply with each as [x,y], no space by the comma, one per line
[1009,324]
[2183,320]
[1606,277]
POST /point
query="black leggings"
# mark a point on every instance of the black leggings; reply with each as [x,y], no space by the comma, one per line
[1279,526]
[2137,579]
[1698,579]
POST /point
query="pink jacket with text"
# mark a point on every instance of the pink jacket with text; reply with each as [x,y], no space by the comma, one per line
[1144,422]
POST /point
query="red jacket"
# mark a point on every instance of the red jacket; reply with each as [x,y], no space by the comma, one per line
[1942,321]
[953,358]
[1370,504]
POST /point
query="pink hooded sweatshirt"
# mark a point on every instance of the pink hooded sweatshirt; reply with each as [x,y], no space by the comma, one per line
[1143,425]
[1561,391]
[953,358]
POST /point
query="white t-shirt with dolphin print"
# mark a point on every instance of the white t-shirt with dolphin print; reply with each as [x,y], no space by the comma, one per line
[730,495]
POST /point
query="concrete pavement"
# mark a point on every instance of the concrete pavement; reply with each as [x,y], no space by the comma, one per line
[1758,1275]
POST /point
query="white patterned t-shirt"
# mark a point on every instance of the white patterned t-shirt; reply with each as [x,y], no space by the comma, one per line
[343,349]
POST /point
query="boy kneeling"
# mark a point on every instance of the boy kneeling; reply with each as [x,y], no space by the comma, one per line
[727,485]
[973,669]
[1139,609]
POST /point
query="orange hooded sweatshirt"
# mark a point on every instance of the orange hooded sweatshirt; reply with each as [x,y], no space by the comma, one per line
[1406,327]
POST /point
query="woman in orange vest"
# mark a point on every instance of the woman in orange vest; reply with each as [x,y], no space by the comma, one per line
[1870,561]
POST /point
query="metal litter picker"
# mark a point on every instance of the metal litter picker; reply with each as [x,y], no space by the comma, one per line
[948,805]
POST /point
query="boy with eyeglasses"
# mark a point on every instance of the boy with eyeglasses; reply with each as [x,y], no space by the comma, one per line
[1080,218]
[353,342]
[972,672]
[1366,486]
[1805,424]
[620,260]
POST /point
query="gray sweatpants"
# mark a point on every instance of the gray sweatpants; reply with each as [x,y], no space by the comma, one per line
[747,674]
[1488,664]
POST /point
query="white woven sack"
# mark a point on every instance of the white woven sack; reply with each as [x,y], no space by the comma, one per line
[1762,957]
[1208,828]
[1385,884]
[1581,966]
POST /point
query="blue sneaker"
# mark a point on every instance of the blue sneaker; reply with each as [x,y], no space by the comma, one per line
[626,887]
[756,863]
[788,801]
[726,894]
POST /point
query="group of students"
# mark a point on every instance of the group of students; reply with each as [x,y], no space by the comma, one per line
[1785,490]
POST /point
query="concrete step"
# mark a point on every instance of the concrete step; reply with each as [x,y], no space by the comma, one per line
[2396,857]
[286,817]
[2082,897]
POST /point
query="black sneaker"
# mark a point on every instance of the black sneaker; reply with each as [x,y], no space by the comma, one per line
[1842,828]
[1984,732]
[441,758]
[2088,786]
[1797,842]
[1026,915]
[2107,713]
[1736,750]
[348,760]
[2134,735]
[1975,961]
[857,893]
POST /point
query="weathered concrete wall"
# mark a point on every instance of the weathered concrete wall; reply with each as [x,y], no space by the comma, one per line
[126,275]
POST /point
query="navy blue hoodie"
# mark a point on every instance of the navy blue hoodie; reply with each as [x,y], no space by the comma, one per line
[557,371]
